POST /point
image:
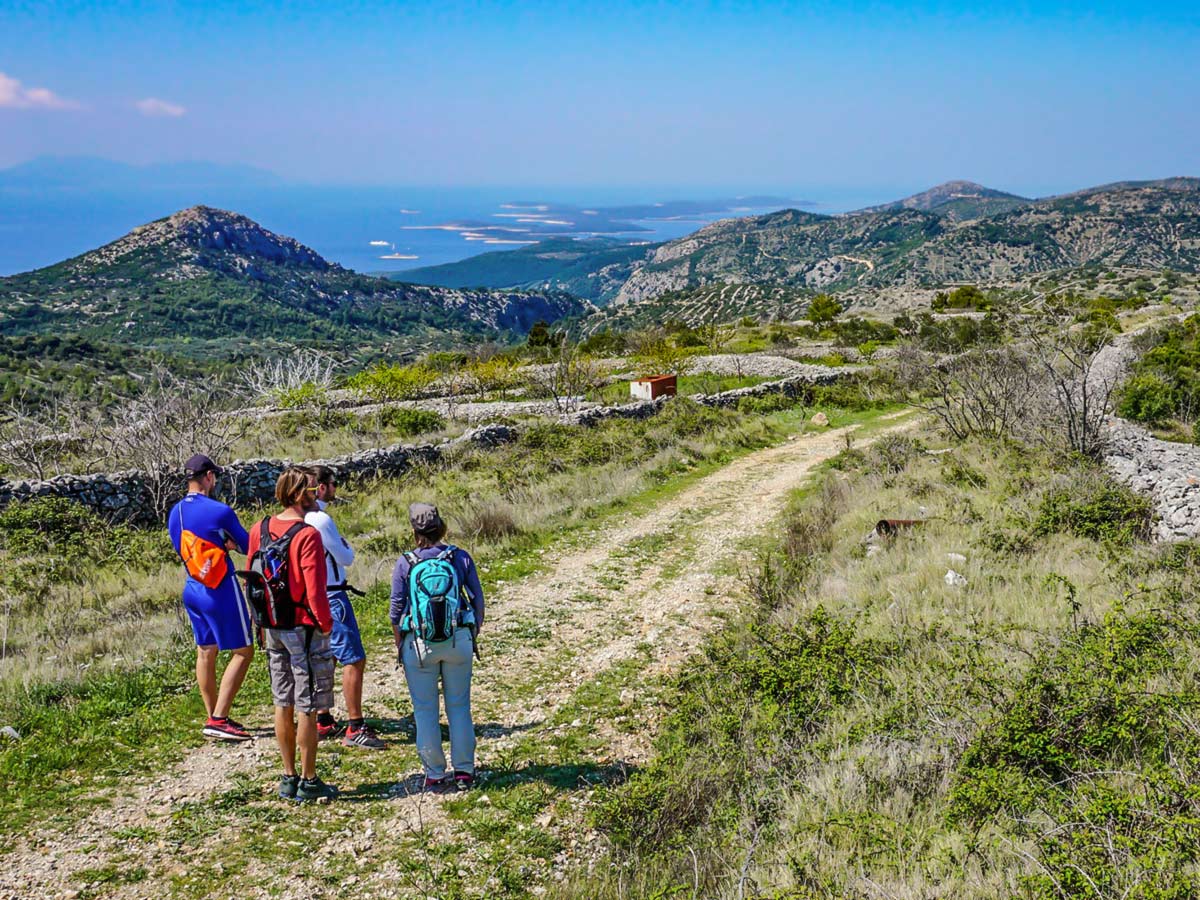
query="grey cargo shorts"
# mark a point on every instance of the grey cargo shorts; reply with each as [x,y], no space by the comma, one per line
[301,668]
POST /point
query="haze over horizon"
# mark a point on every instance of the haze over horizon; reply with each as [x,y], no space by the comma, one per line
[888,98]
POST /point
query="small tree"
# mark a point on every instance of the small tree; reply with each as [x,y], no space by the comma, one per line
[654,353]
[169,420]
[823,310]
[714,335]
[569,377]
[40,440]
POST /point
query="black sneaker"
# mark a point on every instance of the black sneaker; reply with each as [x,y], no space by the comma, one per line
[310,789]
[364,738]
[288,785]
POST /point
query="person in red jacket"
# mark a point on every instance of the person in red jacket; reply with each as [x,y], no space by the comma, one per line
[299,656]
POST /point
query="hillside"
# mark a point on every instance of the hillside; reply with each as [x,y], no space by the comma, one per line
[715,302]
[1145,225]
[590,269]
[957,201]
[215,277]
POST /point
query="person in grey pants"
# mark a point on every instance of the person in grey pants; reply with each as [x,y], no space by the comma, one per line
[427,662]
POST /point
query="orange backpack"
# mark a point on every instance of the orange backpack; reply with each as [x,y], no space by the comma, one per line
[204,560]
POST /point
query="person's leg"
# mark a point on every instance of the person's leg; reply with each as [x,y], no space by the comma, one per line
[206,676]
[456,683]
[312,669]
[422,681]
[285,736]
[306,738]
[231,681]
[345,641]
[283,693]
[352,688]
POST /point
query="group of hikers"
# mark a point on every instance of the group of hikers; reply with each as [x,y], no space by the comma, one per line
[293,598]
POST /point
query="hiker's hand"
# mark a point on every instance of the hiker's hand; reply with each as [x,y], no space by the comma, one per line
[231,545]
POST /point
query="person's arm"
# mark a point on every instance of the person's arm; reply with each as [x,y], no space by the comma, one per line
[312,565]
[398,605]
[233,528]
[474,588]
[335,545]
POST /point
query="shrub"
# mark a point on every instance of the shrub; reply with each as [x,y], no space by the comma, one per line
[309,395]
[385,383]
[407,422]
[489,521]
[46,525]
[496,374]
[1146,398]
[767,403]
[892,453]
[69,540]
[296,422]
[1097,508]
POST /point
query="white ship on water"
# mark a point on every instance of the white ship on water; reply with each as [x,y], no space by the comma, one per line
[393,254]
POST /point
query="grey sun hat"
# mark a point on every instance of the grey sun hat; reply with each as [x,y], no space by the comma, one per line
[424,518]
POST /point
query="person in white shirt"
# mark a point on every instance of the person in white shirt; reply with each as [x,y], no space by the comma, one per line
[346,641]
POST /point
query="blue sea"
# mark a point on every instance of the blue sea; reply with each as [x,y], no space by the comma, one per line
[358,227]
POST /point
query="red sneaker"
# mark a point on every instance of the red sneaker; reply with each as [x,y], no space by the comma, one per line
[225,730]
[325,732]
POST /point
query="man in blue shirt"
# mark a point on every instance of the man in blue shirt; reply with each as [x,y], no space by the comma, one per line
[219,615]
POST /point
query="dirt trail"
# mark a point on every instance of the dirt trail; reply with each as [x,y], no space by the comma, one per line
[652,579]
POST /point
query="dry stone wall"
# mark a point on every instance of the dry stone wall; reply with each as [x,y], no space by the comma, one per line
[129,496]
[1169,472]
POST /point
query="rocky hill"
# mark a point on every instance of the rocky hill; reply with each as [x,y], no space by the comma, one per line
[957,201]
[1144,225]
[215,277]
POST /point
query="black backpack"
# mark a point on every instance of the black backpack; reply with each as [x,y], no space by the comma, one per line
[266,578]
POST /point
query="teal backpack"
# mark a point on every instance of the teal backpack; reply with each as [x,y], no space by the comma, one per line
[435,598]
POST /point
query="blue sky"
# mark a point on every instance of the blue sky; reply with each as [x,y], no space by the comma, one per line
[1028,97]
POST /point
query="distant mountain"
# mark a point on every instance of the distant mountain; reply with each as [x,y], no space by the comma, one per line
[956,200]
[1148,225]
[590,269]
[207,281]
[88,172]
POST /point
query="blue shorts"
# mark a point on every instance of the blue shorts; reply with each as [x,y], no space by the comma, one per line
[219,615]
[345,640]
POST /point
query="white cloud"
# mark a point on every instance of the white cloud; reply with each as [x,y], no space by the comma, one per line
[14,95]
[152,106]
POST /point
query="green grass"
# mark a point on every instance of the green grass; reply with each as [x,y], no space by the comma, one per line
[868,730]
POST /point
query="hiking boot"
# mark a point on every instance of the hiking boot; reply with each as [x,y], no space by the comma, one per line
[310,789]
[225,730]
[288,785]
[327,732]
[364,737]
[463,780]
[436,784]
